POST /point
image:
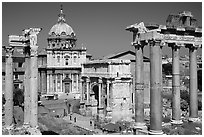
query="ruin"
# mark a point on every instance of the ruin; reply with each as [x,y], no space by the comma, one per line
[27,41]
[104,87]
[180,31]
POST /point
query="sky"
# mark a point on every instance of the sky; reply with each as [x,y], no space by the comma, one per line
[100,27]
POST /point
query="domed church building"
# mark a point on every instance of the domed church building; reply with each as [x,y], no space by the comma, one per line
[64,59]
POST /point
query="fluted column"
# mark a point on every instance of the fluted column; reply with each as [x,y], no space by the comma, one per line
[155,88]
[193,109]
[9,87]
[176,114]
[27,109]
[139,87]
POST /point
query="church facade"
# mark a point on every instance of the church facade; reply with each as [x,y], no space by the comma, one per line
[63,61]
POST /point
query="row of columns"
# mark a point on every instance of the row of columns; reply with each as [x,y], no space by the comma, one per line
[30,79]
[156,86]
[54,87]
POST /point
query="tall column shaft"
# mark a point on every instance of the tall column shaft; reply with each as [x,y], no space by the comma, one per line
[34,87]
[27,109]
[48,83]
[155,88]
[81,90]
[51,83]
[61,78]
[100,92]
[175,84]
[44,85]
[193,84]
[139,85]
[9,88]
[87,89]
[108,93]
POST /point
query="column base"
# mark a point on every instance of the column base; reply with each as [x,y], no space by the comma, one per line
[140,128]
[176,122]
[140,125]
[9,127]
[156,132]
[193,119]
[33,131]
[26,125]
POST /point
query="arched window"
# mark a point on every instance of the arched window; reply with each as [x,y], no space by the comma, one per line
[58,59]
[75,59]
[53,33]
[66,61]
[63,33]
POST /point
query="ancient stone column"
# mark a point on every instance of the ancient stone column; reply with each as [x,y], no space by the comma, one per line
[193,110]
[27,109]
[34,77]
[108,94]
[48,83]
[100,92]
[100,106]
[176,114]
[34,87]
[155,88]
[139,87]
[44,83]
[88,89]
[81,90]
[9,87]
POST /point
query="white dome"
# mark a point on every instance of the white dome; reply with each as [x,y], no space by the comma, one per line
[61,28]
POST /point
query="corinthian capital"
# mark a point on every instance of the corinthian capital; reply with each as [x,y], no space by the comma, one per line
[32,32]
[9,51]
[33,50]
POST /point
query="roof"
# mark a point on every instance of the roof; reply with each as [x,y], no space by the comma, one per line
[123,53]
[108,61]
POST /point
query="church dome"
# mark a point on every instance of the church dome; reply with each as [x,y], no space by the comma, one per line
[61,28]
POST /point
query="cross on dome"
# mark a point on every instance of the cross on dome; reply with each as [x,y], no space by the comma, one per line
[61,15]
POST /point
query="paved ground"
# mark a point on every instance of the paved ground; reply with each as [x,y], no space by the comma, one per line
[82,121]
